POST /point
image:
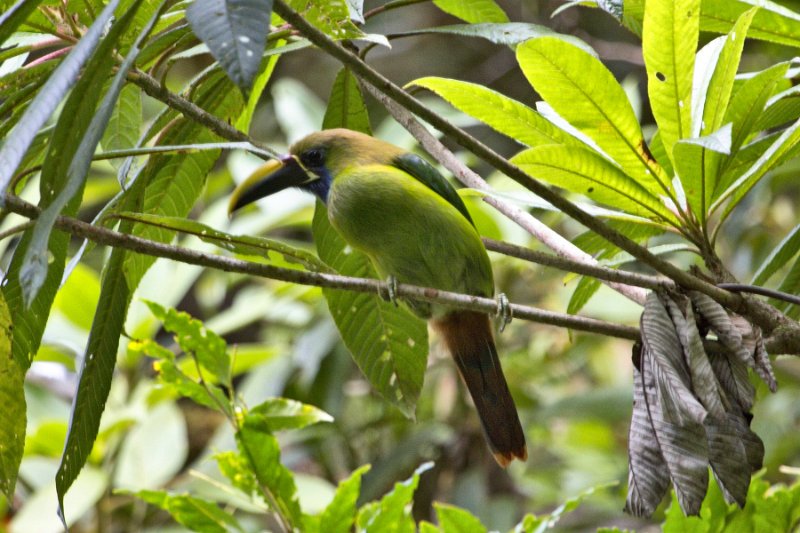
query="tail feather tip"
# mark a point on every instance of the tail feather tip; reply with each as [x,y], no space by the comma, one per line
[505,458]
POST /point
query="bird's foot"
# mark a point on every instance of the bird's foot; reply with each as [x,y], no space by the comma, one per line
[390,293]
[503,311]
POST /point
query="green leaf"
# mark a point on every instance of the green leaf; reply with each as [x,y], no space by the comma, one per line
[534,202]
[778,257]
[583,91]
[718,95]
[246,245]
[14,16]
[586,288]
[236,32]
[96,372]
[698,177]
[49,96]
[455,520]
[17,89]
[508,34]
[208,348]
[388,344]
[125,122]
[583,171]
[237,469]
[81,139]
[346,108]
[194,513]
[780,110]
[574,502]
[339,515]
[713,101]
[331,17]
[392,513]
[276,414]
[174,38]
[265,73]
[12,397]
[473,11]
[507,116]
[669,42]
[772,22]
[744,159]
[262,451]
[171,375]
[748,102]
[770,158]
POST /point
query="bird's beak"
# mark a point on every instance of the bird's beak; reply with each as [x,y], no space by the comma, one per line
[271,177]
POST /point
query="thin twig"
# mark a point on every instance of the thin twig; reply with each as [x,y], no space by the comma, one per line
[763,291]
[388,6]
[113,238]
[567,265]
[190,110]
[16,229]
[47,57]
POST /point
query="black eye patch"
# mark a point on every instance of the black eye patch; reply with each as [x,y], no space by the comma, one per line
[313,158]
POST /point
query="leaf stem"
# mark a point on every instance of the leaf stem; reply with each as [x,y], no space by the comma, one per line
[762,291]
[16,229]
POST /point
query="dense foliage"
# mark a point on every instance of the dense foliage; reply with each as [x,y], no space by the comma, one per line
[296,396]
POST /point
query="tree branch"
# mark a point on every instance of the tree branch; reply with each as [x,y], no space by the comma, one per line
[761,313]
[105,236]
[602,273]
[192,111]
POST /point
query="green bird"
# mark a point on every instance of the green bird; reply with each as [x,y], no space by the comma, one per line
[397,209]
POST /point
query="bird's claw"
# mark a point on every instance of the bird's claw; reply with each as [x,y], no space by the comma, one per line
[503,311]
[390,294]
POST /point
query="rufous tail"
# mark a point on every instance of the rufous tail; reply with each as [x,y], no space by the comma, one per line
[468,336]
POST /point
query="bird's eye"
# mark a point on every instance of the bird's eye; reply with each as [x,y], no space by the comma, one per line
[313,158]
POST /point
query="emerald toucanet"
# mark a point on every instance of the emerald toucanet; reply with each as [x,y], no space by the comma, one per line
[397,209]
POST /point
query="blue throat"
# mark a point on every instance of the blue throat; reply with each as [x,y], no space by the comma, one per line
[320,187]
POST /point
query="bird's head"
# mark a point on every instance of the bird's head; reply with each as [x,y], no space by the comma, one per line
[312,164]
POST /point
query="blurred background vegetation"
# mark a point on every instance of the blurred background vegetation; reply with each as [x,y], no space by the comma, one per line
[573,390]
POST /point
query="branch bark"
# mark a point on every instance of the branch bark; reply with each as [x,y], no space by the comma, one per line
[105,236]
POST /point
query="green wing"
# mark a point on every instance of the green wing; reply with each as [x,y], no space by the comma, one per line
[424,172]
